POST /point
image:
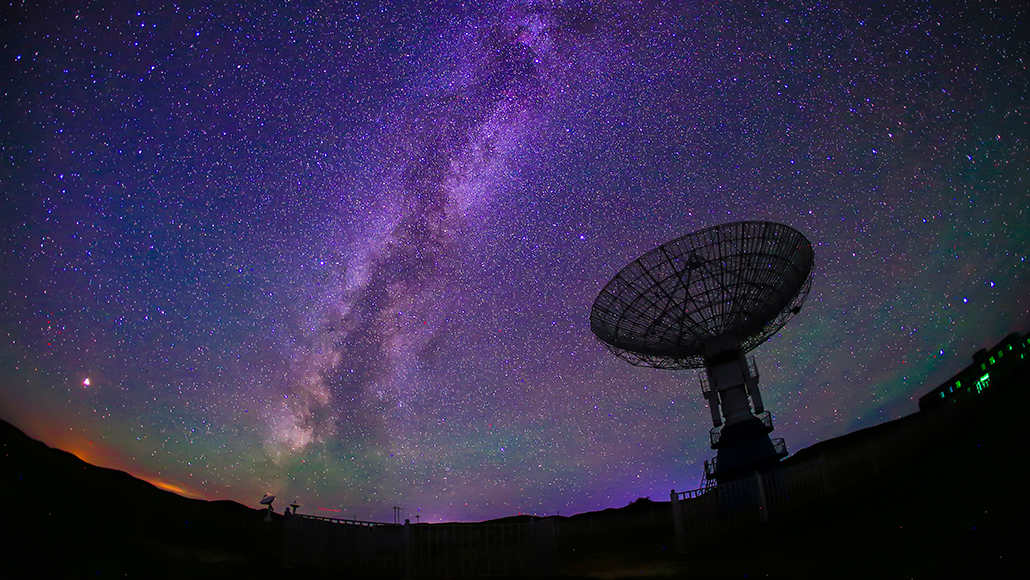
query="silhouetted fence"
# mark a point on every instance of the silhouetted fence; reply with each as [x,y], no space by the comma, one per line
[701,516]
[528,548]
[422,550]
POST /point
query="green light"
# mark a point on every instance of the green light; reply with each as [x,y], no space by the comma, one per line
[983,383]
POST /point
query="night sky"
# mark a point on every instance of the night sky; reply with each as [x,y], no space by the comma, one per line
[346,253]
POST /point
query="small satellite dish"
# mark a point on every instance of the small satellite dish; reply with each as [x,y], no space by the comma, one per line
[267,500]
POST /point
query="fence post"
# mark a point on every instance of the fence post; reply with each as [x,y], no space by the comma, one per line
[407,549]
[763,506]
[871,454]
[827,482]
[677,520]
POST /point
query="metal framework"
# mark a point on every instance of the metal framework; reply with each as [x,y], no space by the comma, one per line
[703,301]
[741,281]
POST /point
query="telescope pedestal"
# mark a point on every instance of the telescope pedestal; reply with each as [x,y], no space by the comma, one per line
[745,448]
[743,442]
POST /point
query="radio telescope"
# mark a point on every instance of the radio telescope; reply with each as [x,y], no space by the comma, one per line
[703,301]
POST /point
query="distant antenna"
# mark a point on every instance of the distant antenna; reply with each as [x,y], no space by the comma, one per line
[267,501]
[703,301]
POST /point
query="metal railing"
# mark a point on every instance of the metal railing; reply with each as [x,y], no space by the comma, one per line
[715,433]
[691,494]
[346,521]
[421,550]
[752,368]
[706,383]
[710,467]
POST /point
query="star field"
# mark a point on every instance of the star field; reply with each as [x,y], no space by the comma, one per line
[346,253]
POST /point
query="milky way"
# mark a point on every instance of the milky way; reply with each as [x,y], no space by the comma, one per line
[346,254]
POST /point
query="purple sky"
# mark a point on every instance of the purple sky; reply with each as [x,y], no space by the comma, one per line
[346,253]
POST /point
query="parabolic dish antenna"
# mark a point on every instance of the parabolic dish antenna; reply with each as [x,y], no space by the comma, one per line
[702,301]
[267,500]
[741,281]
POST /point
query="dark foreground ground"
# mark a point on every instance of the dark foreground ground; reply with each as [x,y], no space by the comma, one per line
[958,508]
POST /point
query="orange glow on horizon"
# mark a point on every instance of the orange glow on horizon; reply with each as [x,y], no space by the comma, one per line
[172,488]
[99,455]
[79,452]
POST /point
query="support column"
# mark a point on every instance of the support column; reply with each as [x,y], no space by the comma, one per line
[743,442]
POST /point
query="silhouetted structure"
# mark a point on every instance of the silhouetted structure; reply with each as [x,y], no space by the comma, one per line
[479,550]
[842,470]
[998,363]
[703,301]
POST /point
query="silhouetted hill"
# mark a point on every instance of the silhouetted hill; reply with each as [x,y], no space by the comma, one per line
[848,439]
[955,508]
[67,517]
